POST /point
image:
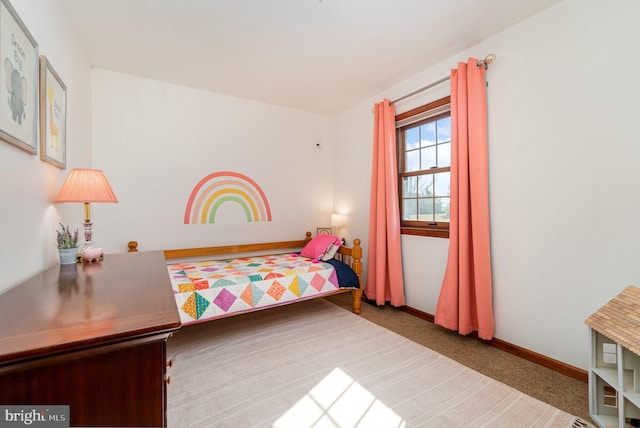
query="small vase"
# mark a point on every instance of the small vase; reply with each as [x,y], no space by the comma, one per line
[68,255]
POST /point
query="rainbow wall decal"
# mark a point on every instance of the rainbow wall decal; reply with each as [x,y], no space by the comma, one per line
[226,186]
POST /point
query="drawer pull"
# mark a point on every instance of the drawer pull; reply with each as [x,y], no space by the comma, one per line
[170,363]
[168,380]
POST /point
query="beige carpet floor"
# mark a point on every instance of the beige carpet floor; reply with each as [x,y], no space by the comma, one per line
[560,391]
[313,364]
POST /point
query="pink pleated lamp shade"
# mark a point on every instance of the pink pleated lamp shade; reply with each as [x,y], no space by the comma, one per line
[86,185]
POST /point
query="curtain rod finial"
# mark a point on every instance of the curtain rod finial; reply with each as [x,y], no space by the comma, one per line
[489,59]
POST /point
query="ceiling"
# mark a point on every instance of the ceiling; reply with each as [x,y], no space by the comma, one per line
[320,56]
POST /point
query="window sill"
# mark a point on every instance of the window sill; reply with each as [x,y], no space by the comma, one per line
[435,233]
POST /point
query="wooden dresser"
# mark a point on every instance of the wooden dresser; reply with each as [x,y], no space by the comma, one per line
[93,337]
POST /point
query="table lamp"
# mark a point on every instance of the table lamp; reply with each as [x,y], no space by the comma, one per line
[86,186]
[337,221]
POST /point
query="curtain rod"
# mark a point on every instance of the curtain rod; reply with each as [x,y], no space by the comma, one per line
[489,59]
[424,88]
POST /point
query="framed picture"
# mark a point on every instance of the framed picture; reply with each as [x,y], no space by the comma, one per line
[18,81]
[324,231]
[53,116]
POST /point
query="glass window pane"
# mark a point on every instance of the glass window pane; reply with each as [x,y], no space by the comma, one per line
[442,184]
[425,209]
[412,161]
[409,209]
[428,134]
[409,187]
[442,209]
[425,185]
[426,149]
[428,158]
[444,155]
[444,130]
[412,138]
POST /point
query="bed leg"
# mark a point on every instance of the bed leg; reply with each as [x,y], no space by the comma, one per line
[357,300]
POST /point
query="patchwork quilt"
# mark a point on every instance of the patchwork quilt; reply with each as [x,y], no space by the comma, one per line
[212,289]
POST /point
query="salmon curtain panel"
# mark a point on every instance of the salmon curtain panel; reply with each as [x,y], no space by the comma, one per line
[385,282]
[465,301]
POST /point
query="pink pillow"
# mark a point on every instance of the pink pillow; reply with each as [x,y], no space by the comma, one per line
[319,245]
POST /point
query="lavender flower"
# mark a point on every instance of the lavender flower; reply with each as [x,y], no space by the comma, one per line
[65,238]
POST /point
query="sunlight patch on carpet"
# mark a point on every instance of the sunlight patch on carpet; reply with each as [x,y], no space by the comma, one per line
[339,401]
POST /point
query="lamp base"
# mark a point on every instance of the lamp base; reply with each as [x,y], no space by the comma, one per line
[88,235]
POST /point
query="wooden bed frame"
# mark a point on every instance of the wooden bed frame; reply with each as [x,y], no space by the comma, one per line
[351,256]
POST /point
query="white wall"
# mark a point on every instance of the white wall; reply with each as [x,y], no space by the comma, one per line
[29,185]
[155,141]
[564,171]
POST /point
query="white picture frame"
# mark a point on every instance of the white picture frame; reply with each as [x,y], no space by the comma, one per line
[324,231]
[19,82]
[53,116]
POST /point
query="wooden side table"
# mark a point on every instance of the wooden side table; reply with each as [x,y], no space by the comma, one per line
[91,336]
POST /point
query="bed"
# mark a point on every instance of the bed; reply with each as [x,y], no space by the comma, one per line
[215,282]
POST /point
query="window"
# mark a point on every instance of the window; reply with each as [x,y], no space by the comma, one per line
[424,162]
